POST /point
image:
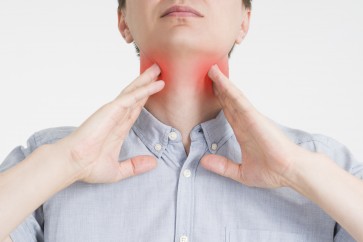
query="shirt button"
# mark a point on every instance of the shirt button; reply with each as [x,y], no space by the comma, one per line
[214,146]
[173,135]
[158,147]
[183,238]
[187,173]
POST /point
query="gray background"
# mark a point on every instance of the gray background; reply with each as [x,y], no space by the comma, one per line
[301,64]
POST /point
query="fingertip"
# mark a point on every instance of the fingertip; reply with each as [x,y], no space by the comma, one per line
[206,157]
[156,69]
[159,85]
[161,82]
[203,161]
[208,162]
[212,71]
[146,163]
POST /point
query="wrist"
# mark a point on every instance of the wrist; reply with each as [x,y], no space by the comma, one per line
[59,155]
[305,171]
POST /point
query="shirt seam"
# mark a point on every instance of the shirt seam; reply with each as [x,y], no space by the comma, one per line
[37,137]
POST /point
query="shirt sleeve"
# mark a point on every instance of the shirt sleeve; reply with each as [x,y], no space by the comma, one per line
[346,160]
[30,230]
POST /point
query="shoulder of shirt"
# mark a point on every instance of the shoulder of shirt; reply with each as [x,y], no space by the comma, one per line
[298,136]
[329,146]
[37,139]
[51,135]
[301,137]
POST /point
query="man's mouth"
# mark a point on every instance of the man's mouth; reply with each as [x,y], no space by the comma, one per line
[181,11]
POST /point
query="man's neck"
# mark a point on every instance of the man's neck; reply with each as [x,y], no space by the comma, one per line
[187,98]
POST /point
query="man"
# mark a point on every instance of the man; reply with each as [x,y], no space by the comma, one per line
[199,162]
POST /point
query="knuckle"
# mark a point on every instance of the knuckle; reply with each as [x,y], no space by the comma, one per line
[132,168]
[127,169]
[225,167]
[117,105]
[241,175]
[108,106]
[135,98]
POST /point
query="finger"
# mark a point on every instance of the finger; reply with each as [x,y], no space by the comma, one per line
[222,166]
[123,123]
[129,99]
[135,166]
[228,94]
[221,82]
[224,88]
[116,137]
[146,77]
[99,125]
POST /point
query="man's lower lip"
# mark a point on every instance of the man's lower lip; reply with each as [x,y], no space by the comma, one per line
[181,14]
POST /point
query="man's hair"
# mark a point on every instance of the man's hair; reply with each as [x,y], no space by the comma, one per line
[122,4]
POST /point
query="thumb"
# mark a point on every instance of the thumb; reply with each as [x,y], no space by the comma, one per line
[222,166]
[216,75]
[136,165]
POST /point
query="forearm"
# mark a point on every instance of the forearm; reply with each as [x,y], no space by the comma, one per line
[26,186]
[336,191]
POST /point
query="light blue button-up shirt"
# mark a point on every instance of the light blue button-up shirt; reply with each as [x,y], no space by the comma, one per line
[179,200]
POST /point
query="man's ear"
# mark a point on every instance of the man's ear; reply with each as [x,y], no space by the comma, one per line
[122,26]
[244,26]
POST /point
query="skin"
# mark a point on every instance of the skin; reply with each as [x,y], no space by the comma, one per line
[184,48]
[92,156]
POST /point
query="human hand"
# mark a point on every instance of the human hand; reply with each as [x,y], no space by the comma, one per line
[93,148]
[268,155]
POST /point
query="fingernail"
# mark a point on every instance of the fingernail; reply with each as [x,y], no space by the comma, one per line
[213,70]
[156,68]
[160,83]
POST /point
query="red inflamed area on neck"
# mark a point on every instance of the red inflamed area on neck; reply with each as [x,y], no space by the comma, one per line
[201,72]
[192,71]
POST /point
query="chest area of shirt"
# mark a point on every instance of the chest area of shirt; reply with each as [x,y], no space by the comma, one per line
[170,204]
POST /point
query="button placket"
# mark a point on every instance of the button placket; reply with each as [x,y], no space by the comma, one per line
[187,173]
[185,193]
[186,186]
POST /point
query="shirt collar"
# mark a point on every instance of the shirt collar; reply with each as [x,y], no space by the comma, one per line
[217,131]
[155,134]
